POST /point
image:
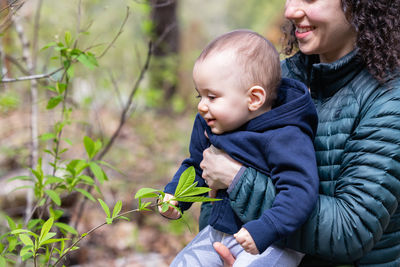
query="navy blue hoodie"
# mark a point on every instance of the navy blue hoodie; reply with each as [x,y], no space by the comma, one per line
[278,143]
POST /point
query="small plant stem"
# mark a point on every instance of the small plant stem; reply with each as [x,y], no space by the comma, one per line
[94,229]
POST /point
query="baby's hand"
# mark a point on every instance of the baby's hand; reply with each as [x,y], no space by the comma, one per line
[244,238]
[171,213]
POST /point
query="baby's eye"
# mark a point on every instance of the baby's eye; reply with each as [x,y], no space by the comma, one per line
[211,97]
[198,96]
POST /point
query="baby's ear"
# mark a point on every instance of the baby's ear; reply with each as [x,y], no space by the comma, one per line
[257,96]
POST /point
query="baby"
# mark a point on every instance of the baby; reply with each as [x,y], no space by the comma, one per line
[264,122]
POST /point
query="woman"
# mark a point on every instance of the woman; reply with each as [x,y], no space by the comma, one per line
[349,58]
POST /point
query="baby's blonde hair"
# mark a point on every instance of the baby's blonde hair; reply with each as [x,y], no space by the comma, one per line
[255,54]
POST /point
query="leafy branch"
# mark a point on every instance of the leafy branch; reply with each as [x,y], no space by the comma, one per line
[33,244]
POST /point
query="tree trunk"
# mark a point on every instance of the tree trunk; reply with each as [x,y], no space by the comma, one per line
[164,68]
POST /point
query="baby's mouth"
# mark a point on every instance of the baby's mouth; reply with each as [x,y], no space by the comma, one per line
[210,122]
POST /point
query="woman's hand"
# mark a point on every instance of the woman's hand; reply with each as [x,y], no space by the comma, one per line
[219,169]
[224,253]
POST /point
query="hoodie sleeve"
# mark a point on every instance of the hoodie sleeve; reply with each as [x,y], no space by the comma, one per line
[198,143]
[291,157]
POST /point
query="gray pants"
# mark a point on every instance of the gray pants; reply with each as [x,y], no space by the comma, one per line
[200,253]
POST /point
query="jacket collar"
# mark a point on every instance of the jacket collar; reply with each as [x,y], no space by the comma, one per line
[325,79]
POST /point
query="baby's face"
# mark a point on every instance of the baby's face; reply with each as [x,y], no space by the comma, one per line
[223,101]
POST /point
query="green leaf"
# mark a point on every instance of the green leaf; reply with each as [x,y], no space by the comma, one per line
[12,243]
[97,171]
[109,220]
[164,206]
[20,231]
[51,44]
[47,136]
[109,166]
[97,146]
[21,187]
[41,202]
[32,223]
[144,205]
[56,214]
[186,179]
[88,60]
[85,193]
[190,188]
[76,166]
[123,218]
[89,180]
[54,101]
[147,193]
[11,224]
[89,146]
[54,196]
[71,71]
[195,191]
[53,240]
[22,178]
[53,180]
[61,87]
[68,38]
[2,261]
[68,141]
[26,240]
[46,228]
[47,237]
[51,88]
[26,253]
[66,227]
[117,209]
[196,199]
[105,207]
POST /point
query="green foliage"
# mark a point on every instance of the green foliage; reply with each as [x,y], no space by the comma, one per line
[8,101]
[185,191]
[35,241]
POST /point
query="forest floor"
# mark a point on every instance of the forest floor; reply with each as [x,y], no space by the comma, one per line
[147,152]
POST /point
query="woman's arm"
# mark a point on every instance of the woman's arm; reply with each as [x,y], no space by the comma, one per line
[352,214]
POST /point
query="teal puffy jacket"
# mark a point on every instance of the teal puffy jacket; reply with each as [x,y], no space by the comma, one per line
[357,217]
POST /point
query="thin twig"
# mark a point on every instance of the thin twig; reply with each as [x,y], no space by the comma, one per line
[128,104]
[10,5]
[95,228]
[165,33]
[116,88]
[123,117]
[118,34]
[31,77]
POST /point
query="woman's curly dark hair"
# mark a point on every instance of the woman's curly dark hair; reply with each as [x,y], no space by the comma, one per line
[377,24]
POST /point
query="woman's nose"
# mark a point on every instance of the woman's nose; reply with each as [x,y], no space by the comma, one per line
[294,9]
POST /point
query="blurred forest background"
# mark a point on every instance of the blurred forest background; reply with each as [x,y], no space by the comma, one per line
[154,127]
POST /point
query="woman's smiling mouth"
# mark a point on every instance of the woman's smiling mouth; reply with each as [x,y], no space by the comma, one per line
[303,31]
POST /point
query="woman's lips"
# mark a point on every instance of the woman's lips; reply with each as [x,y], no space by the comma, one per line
[303,31]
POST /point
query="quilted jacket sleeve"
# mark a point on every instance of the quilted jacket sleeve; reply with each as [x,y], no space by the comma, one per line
[352,214]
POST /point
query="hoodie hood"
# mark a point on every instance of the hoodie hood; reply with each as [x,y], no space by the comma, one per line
[293,106]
